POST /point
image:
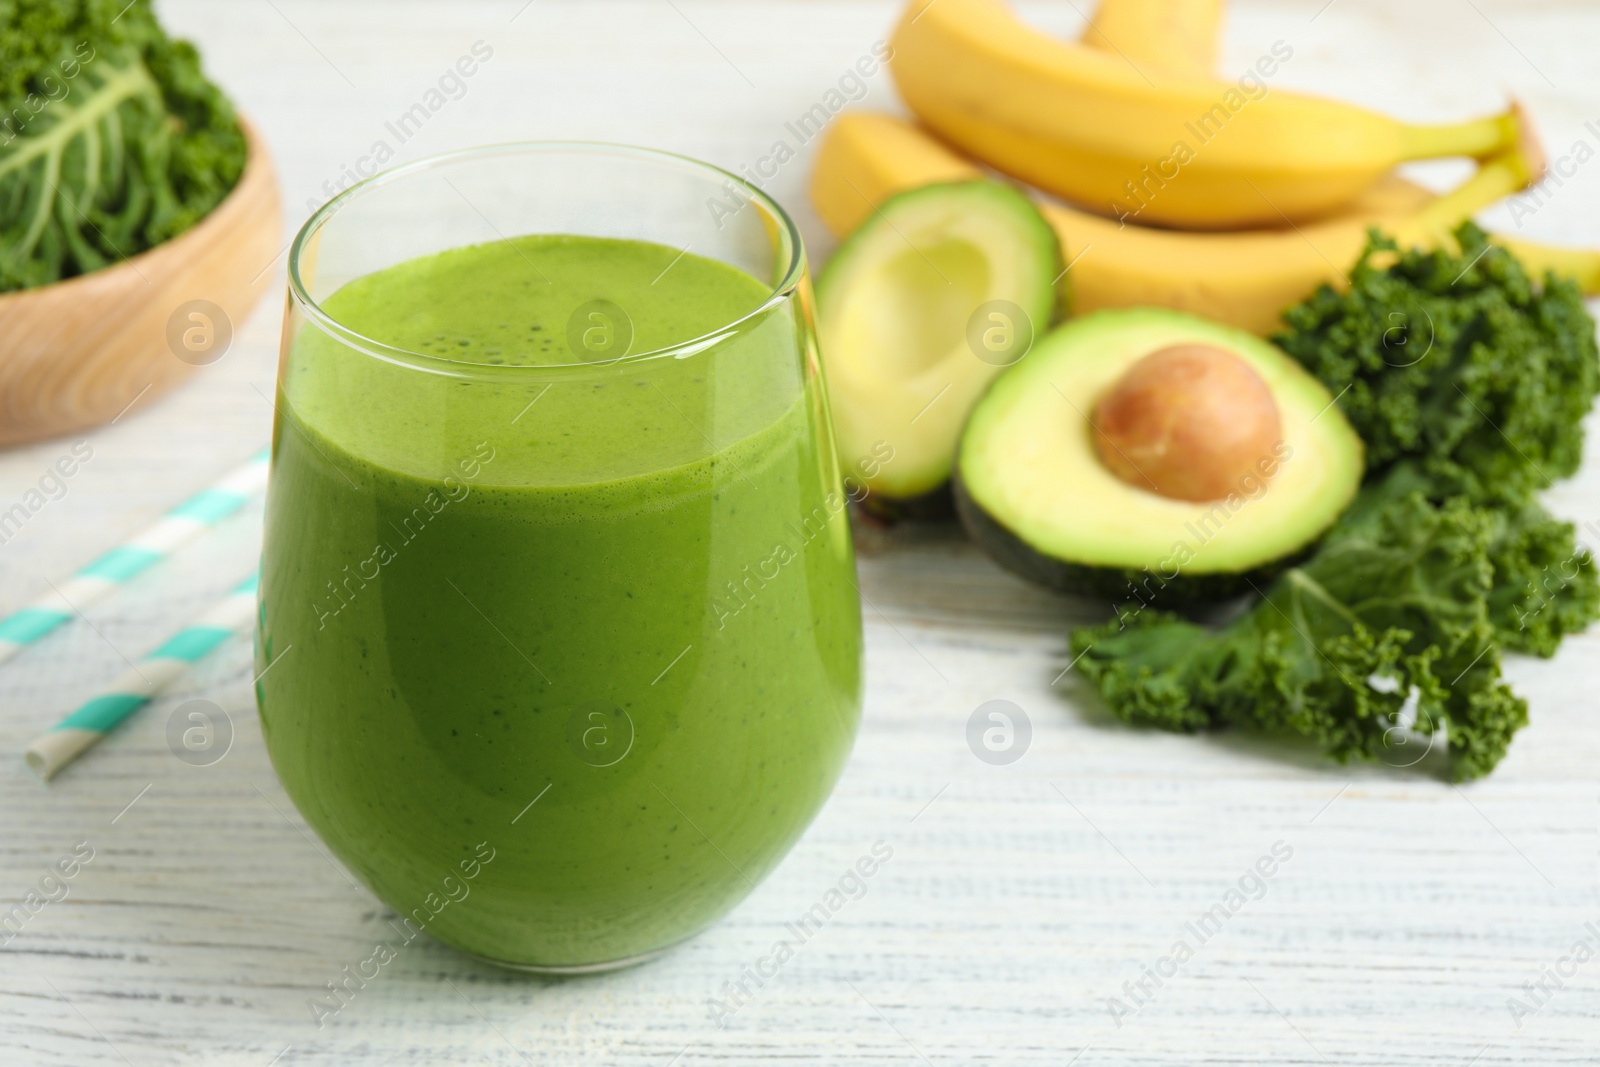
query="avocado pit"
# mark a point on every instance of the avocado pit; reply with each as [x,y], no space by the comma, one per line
[1187,422]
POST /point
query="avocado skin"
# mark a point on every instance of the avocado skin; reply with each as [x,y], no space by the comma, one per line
[936,505]
[1116,583]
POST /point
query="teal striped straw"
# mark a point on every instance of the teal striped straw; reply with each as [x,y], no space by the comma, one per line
[136,687]
[174,529]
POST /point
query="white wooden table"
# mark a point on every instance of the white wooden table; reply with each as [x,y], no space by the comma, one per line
[1019,898]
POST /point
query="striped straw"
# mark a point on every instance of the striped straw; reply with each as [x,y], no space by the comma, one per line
[178,527]
[138,686]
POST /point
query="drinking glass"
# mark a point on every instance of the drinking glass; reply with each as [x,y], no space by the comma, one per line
[560,643]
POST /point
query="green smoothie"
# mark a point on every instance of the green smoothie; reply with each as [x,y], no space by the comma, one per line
[562,659]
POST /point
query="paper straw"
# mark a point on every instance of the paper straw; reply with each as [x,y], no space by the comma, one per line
[179,526]
[138,686]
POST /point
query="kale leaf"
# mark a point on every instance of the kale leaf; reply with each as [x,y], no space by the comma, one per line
[1458,360]
[1388,622]
[111,139]
[1545,583]
[1468,383]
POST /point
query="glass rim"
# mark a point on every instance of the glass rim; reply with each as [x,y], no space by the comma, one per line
[779,292]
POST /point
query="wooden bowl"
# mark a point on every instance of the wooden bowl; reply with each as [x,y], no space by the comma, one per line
[79,352]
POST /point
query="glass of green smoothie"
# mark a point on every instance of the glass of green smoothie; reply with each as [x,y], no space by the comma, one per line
[560,643]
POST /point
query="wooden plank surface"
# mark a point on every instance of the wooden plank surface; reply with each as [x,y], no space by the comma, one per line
[1019,899]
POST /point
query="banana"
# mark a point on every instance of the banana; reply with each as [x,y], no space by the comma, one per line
[1085,125]
[1177,37]
[1245,279]
[1582,265]
[1184,36]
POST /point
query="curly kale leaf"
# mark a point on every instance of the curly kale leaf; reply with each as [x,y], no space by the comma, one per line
[1545,583]
[1455,359]
[1384,635]
[111,139]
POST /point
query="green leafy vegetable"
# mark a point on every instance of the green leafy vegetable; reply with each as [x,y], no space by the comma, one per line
[1458,360]
[111,139]
[1468,383]
[1389,618]
[1545,584]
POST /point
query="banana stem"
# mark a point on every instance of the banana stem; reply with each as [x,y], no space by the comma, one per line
[1476,138]
[1495,180]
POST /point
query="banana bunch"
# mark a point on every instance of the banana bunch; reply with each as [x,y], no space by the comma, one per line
[1183,36]
[1162,141]
[1243,278]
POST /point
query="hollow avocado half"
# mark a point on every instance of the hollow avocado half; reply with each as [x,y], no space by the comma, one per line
[1031,488]
[930,299]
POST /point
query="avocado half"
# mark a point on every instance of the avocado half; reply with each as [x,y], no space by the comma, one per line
[924,305]
[1032,490]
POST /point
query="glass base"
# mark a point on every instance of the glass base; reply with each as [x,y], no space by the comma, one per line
[573,970]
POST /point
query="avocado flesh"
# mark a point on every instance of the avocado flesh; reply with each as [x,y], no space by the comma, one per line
[894,307]
[1032,489]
